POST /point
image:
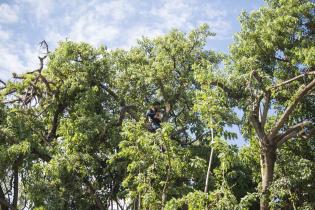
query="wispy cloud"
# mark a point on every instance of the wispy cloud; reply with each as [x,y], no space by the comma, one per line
[115,23]
[41,9]
[8,14]
[17,59]
[4,34]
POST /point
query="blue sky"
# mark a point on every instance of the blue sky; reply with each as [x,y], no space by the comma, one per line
[117,24]
[24,23]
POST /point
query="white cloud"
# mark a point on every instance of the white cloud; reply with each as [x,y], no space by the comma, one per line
[95,22]
[173,14]
[212,11]
[187,14]
[10,62]
[116,10]
[17,57]
[4,35]
[135,33]
[221,27]
[40,8]
[89,29]
[95,34]
[8,14]
[116,23]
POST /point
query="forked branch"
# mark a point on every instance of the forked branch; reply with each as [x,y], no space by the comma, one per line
[304,90]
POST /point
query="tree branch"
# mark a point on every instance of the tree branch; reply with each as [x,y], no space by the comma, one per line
[4,204]
[15,185]
[285,116]
[266,107]
[293,129]
[92,192]
[4,84]
[254,119]
[43,156]
[259,79]
[52,133]
[232,93]
[298,134]
[292,79]
[128,109]
[123,107]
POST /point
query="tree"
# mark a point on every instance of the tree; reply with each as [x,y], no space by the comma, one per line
[73,133]
[273,77]
[54,128]
[63,122]
[163,69]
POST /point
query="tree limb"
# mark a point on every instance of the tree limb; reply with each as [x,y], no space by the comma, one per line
[15,185]
[259,79]
[4,204]
[302,134]
[236,95]
[52,133]
[126,109]
[257,126]
[123,107]
[4,84]
[292,79]
[266,107]
[293,129]
[92,192]
[285,116]
[43,156]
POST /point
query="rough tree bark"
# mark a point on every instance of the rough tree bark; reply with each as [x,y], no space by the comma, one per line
[268,159]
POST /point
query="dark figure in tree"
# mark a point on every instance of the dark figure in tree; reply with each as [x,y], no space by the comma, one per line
[154,115]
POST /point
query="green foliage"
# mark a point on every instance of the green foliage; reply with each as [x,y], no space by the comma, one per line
[156,163]
[219,199]
[74,134]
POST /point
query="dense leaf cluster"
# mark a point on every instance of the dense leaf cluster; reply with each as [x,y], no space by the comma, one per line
[73,133]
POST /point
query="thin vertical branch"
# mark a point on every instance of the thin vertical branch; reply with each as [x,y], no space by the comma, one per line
[210,160]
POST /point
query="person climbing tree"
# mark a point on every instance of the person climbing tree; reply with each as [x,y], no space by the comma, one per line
[154,116]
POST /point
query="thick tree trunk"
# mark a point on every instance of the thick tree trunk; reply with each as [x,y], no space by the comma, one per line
[15,186]
[267,159]
[4,205]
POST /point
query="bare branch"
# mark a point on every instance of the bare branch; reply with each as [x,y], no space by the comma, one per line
[13,101]
[266,107]
[2,82]
[293,129]
[44,45]
[283,119]
[257,126]
[298,134]
[254,119]
[292,79]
